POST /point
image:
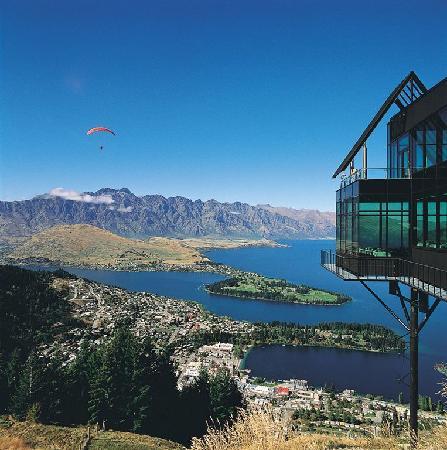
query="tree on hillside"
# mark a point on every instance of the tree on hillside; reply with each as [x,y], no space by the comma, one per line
[164,396]
[143,411]
[110,393]
[196,396]
[225,398]
[41,387]
[79,374]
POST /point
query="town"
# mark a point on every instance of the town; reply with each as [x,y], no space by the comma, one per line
[174,323]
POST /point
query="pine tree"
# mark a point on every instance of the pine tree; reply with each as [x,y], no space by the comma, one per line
[164,396]
[39,387]
[225,398]
[98,410]
[195,407]
[79,373]
[143,411]
[111,392]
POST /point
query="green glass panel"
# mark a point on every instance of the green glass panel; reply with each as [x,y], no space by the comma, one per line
[420,231]
[405,231]
[394,206]
[394,232]
[431,232]
[443,231]
[431,208]
[420,207]
[369,206]
[384,230]
[369,231]
[444,136]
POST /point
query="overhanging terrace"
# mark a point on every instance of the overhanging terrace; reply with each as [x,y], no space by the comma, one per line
[429,280]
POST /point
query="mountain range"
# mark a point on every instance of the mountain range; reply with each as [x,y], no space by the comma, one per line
[126,214]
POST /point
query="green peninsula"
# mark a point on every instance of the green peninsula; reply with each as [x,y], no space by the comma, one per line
[255,286]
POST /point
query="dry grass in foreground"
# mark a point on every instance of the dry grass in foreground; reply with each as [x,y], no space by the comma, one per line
[260,431]
[12,444]
[28,435]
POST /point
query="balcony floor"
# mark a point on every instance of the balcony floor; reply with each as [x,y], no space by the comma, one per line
[409,281]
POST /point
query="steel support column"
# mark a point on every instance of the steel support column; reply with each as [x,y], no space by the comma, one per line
[414,372]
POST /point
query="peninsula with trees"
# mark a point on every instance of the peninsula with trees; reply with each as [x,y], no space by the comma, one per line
[254,286]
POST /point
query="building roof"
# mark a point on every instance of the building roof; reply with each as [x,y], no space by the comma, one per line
[405,93]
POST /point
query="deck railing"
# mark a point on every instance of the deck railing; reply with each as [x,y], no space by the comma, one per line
[431,280]
[385,173]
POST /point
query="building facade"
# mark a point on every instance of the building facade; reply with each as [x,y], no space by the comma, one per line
[392,221]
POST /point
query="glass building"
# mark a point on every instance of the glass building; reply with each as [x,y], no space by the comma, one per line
[399,211]
[392,221]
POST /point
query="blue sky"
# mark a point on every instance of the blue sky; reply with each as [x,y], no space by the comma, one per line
[256,101]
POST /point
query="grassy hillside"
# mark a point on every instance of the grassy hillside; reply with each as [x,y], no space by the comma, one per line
[27,435]
[87,245]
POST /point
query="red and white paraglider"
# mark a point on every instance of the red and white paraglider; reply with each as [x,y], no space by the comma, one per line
[98,130]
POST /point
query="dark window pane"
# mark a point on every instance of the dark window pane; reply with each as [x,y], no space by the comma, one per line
[419,159]
[430,155]
[444,152]
[430,136]
[420,136]
[403,141]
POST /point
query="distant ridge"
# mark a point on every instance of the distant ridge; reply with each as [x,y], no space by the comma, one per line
[122,212]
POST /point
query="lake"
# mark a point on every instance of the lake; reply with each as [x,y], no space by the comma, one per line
[300,263]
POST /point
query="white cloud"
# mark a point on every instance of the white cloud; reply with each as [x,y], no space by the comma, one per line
[125,210]
[78,197]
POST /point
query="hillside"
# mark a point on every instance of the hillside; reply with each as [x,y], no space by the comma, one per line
[28,435]
[86,245]
[125,214]
[90,246]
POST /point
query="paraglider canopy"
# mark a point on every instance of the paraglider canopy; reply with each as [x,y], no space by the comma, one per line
[96,129]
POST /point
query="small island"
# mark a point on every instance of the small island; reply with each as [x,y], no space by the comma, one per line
[255,286]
